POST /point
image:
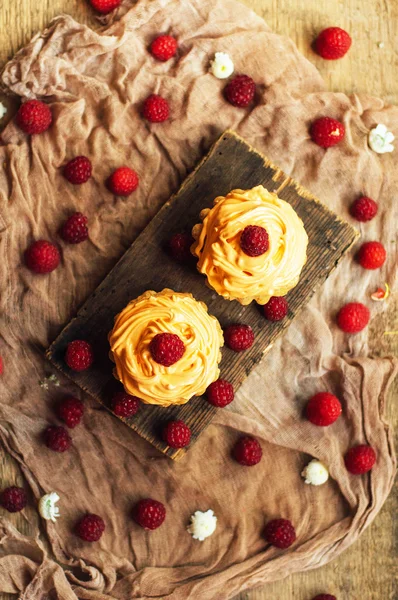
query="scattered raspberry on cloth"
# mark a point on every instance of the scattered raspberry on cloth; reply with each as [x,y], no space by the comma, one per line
[156,109]
[247,451]
[363,209]
[90,527]
[78,170]
[240,91]
[360,459]
[34,116]
[13,499]
[163,47]
[71,411]
[323,409]
[57,439]
[280,533]
[123,182]
[353,317]
[372,255]
[327,132]
[149,513]
[75,230]
[105,6]
[42,257]
[325,597]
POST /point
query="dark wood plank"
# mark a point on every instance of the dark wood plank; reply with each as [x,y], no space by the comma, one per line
[231,163]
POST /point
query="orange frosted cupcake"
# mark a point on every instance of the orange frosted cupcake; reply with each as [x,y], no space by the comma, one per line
[251,245]
[166,347]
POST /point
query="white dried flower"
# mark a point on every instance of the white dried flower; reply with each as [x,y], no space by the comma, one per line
[221,66]
[3,110]
[379,139]
[47,508]
[203,525]
[315,473]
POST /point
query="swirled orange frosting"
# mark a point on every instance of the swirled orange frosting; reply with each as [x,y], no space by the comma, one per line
[232,273]
[165,312]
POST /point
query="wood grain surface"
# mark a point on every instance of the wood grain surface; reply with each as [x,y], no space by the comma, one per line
[329,238]
[369,570]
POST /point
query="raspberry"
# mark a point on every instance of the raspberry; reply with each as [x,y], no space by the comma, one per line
[163,47]
[254,240]
[104,6]
[90,528]
[176,434]
[75,229]
[124,405]
[78,170]
[239,337]
[123,181]
[71,411]
[220,393]
[372,255]
[247,451]
[325,597]
[276,308]
[34,117]
[166,349]
[360,459]
[149,513]
[42,257]
[240,91]
[79,355]
[323,409]
[280,533]
[333,43]
[156,109]
[353,317]
[327,132]
[13,499]
[57,439]
[180,247]
[363,209]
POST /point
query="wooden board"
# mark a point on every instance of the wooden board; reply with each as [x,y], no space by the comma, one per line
[231,163]
[370,569]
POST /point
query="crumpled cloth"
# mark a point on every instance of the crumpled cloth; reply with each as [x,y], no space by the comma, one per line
[95,83]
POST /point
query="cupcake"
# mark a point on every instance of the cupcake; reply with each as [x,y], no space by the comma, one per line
[166,347]
[251,245]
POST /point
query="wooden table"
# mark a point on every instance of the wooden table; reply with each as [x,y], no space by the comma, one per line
[370,569]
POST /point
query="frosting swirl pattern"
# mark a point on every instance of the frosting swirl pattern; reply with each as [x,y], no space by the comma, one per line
[232,273]
[165,312]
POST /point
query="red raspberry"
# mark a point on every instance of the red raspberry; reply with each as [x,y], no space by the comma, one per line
[363,209]
[78,170]
[327,132]
[247,451]
[323,409]
[105,6]
[353,317]
[180,247]
[71,411]
[13,499]
[240,91]
[34,117]
[254,240]
[166,349]
[75,229]
[333,43]
[220,393]
[325,597]
[156,109]
[360,459]
[276,308]
[79,355]
[57,439]
[124,405]
[123,181]
[372,255]
[149,513]
[280,533]
[176,434]
[42,257]
[163,47]
[90,528]
[239,337]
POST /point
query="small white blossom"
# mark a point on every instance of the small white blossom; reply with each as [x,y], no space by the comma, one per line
[379,139]
[3,110]
[47,508]
[221,66]
[203,525]
[315,473]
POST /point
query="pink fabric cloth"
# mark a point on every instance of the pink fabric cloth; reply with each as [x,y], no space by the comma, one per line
[95,83]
